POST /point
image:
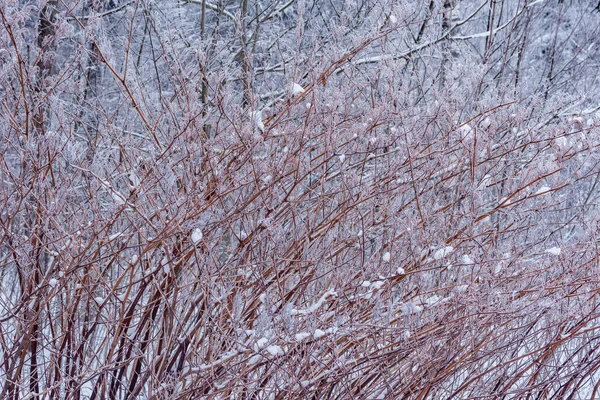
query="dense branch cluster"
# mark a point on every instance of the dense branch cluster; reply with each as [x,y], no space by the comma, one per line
[289,199]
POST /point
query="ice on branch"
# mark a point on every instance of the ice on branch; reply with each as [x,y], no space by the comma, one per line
[196,235]
[297,89]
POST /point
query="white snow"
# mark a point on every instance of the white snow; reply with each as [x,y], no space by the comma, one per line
[196,235]
[260,343]
[318,333]
[393,19]
[301,336]
[53,282]
[543,189]
[462,288]
[99,299]
[465,132]
[254,359]
[115,235]
[297,89]
[316,305]
[275,350]
[486,123]
[441,253]
[366,284]
[377,285]
[386,256]
[257,120]
[342,158]
[466,259]
[400,271]
[554,251]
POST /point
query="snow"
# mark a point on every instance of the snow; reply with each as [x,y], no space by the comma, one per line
[53,282]
[377,285]
[301,336]
[260,343]
[275,350]
[99,299]
[486,123]
[342,158]
[318,333]
[543,189]
[400,271]
[554,251]
[465,132]
[386,256]
[441,253]
[466,259]
[115,235]
[366,284]
[316,305]
[196,235]
[257,120]
[393,19]
[297,89]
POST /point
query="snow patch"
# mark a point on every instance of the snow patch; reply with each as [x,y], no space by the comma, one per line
[297,89]
[441,253]
[386,256]
[197,235]
[554,251]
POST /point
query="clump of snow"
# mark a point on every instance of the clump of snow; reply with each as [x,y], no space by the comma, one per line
[466,259]
[465,132]
[366,284]
[301,336]
[543,189]
[196,235]
[254,359]
[486,123]
[410,308]
[318,333]
[275,350]
[386,256]
[342,158]
[316,305]
[377,284]
[504,201]
[400,271]
[393,19]
[257,120]
[53,282]
[554,251]
[260,343]
[99,299]
[462,288]
[297,89]
[441,253]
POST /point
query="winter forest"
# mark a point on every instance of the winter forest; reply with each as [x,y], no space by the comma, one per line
[299,199]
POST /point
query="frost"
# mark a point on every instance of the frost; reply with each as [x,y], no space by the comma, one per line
[297,89]
[318,333]
[543,189]
[275,350]
[386,256]
[197,235]
[441,253]
[301,336]
[554,251]
[504,201]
